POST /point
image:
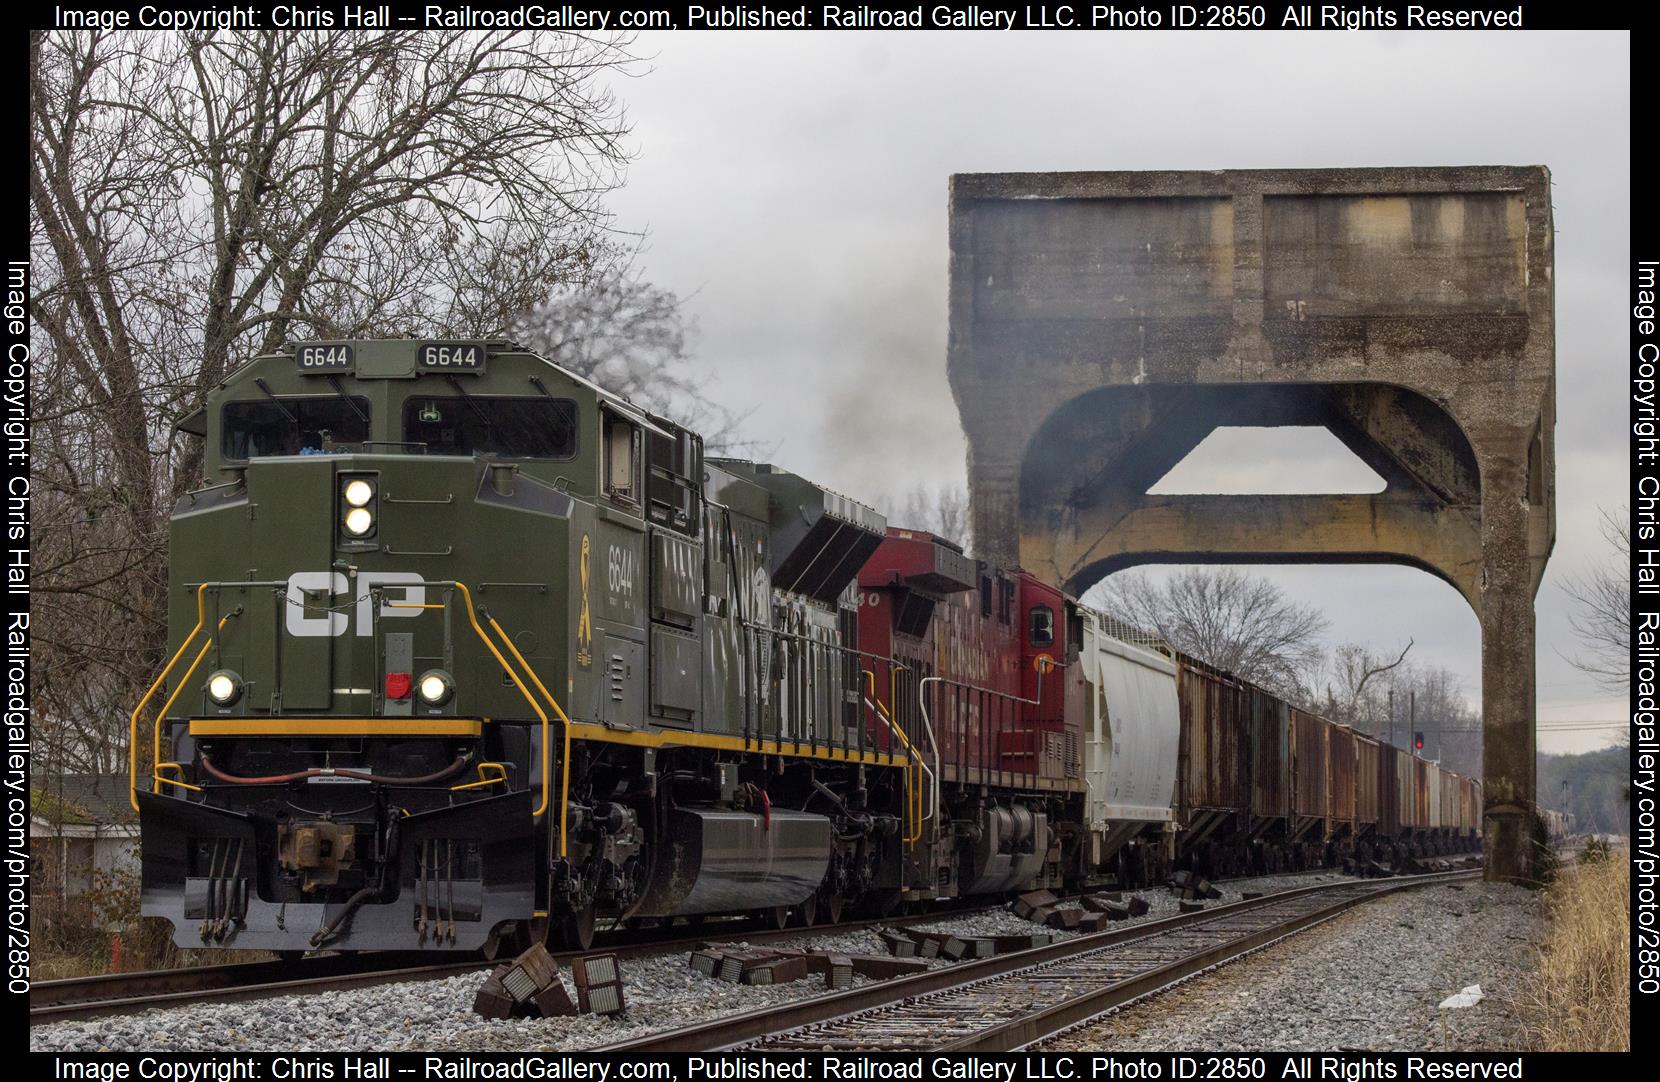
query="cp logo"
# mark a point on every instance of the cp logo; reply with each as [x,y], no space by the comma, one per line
[335,584]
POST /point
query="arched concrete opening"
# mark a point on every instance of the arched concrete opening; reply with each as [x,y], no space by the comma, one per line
[1102,324]
[1383,606]
[1085,508]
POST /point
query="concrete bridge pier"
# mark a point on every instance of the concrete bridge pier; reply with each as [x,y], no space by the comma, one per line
[1102,324]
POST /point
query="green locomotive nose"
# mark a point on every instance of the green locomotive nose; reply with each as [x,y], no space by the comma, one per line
[374,602]
[356,475]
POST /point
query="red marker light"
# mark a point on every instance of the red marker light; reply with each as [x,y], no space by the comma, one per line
[398,685]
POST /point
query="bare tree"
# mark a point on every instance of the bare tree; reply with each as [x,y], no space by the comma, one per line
[1353,667]
[1238,622]
[196,198]
[632,338]
[1389,697]
[1602,604]
[942,510]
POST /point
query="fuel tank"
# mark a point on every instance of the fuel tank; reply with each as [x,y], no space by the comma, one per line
[718,861]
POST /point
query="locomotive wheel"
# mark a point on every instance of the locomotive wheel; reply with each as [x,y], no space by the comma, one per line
[576,929]
[808,910]
[777,918]
[833,909]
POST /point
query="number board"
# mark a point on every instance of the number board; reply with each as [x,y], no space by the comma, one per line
[325,357]
[450,356]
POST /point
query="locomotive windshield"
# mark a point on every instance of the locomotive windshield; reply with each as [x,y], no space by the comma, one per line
[492,425]
[292,426]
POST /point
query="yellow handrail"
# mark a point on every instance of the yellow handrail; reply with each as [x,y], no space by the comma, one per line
[565,760]
[132,722]
[513,675]
[156,779]
[179,781]
[485,780]
[913,789]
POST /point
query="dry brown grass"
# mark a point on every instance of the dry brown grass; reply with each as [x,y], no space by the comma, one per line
[1580,999]
[76,938]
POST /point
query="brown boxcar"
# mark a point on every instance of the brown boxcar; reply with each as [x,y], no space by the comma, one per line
[1308,768]
[1431,795]
[1341,762]
[1270,759]
[1389,790]
[1451,802]
[1215,743]
[1368,794]
[1421,818]
[1469,821]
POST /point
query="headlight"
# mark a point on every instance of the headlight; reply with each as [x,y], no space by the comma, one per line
[224,687]
[359,493]
[359,521]
[435,687]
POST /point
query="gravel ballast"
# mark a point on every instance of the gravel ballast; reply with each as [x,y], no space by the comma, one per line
[1369,979]
[661,992]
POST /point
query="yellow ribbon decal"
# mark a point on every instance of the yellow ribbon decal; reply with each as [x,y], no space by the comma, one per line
[584,623]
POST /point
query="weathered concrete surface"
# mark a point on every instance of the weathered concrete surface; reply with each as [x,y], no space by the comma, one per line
[1102,324]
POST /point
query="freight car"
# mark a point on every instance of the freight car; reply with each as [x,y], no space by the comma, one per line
[1559,825]
[468,651]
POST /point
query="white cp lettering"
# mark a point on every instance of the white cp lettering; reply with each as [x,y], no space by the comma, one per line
[335,584]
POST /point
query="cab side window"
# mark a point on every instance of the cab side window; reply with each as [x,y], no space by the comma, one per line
[620,458]
[1042,625]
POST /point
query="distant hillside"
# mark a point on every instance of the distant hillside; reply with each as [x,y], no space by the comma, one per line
[1598,791]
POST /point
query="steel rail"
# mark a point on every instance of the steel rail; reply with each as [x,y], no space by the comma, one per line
[126,993]
[1044,1023]
[732,1031]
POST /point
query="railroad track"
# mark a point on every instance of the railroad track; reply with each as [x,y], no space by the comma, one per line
[1014,1000]
[127,993]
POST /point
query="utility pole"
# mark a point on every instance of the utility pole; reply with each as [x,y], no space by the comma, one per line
[1392,717]
[1412,717]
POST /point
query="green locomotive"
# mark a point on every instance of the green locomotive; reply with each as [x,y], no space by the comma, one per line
[470,651]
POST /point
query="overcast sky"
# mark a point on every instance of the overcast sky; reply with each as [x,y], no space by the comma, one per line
[794,187]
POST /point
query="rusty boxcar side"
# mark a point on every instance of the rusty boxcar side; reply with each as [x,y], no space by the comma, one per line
[1421,818]
[1389,791]
[1342,759]
[1270,760]
[1308,768]
[1368,790]
[1451,802]
[1215,744]
[1432,787]
[1469,818]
